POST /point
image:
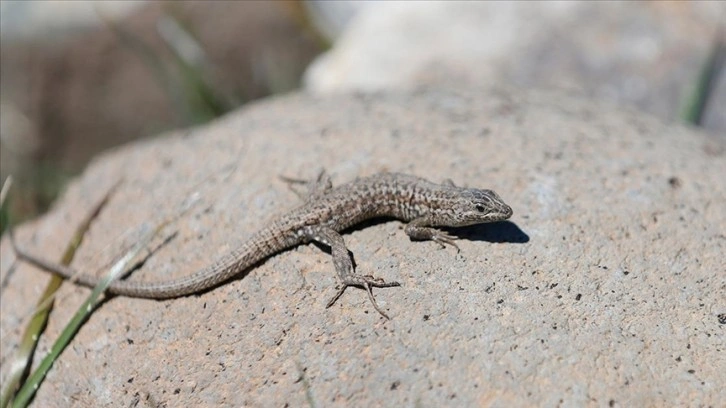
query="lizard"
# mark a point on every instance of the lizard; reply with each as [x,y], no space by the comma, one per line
[325,213]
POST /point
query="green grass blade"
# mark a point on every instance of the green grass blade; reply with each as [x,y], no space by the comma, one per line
[202,101]
[22,359]
[705,85]
[3,195]
[28,390]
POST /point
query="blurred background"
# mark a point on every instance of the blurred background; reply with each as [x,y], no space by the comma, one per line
[79,77]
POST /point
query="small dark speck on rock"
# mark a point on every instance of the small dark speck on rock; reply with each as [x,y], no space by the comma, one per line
[500,301]
[626,273]
[578,297]
[722,318]
[394,385]
[611,403]
[692,371]
[674,182]
[426,318]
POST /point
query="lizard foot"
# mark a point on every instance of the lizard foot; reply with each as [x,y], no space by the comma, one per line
[444,239]
[366,282]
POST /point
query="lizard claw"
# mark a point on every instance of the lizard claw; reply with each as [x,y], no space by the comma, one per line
[444,239]
[366,282]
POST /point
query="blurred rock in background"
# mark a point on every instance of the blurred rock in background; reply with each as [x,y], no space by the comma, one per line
[648,55]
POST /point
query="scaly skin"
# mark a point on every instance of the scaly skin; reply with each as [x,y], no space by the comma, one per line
[326,212]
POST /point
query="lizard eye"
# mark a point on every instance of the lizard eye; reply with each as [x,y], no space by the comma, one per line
[480,208]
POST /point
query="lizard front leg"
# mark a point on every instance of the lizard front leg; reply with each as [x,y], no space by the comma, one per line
[344,265]
[420,229]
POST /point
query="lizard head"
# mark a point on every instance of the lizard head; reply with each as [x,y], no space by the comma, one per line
[473,206]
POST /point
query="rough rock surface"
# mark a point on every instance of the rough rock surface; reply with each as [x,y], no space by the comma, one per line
[607,287]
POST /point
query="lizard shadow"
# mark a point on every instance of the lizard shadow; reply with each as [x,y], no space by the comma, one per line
[495,232]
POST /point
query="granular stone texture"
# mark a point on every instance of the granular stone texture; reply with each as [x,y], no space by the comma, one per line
[607,288]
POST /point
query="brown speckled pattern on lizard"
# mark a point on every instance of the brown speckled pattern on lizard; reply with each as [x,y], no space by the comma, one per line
[326,212]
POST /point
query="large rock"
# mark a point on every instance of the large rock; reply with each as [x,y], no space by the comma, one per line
[606,288]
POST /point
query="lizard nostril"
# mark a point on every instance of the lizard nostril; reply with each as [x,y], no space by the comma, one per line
[480,208]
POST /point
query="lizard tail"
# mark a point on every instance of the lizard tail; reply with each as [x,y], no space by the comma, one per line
[209,277]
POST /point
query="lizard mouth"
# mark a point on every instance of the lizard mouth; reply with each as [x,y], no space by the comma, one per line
[506,212]
[500,214]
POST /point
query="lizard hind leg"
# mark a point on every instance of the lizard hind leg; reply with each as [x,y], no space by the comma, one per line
[344,267]
[315,188]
